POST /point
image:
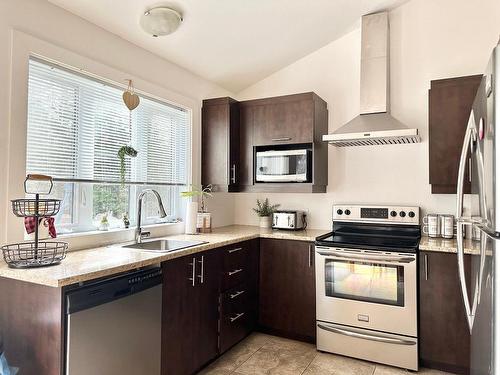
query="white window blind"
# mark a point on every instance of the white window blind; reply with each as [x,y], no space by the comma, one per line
[77,124]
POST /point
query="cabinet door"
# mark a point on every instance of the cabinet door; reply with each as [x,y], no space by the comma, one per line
[208,272]
[190,313]
[444,335]
[220,144]
[450,103]
[284,122]
[246,145]
[287,298]
[180,318]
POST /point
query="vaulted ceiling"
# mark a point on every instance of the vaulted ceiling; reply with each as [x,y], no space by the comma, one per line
[233,43]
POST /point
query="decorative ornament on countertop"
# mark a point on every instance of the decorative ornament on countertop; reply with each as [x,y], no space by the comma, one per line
[264,210]
[36,253]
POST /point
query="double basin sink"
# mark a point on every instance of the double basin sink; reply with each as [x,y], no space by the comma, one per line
[164,246]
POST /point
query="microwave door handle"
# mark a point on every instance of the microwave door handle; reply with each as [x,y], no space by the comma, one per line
[380,258]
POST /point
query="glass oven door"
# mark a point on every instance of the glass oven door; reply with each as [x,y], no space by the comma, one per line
[365,281]
[368,289]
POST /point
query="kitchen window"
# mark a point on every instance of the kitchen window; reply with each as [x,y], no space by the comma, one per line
[77,124]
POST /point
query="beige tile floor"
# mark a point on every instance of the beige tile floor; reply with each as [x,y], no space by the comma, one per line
[263,354]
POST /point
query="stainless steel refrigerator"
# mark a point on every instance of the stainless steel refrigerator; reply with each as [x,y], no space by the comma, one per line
[481,292]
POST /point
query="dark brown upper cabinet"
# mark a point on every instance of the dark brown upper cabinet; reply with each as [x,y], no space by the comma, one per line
[450,103]
[231,130]
[220,141]
[284,120]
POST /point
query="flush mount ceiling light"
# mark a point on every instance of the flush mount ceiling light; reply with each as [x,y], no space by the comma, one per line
[160,21]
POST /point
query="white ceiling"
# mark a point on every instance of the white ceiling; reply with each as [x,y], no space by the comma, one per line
[233,43]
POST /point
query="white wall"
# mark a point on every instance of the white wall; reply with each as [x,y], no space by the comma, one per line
[28,26]
[429,40]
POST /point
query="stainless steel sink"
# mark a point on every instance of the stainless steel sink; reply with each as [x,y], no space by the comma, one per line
[164,246]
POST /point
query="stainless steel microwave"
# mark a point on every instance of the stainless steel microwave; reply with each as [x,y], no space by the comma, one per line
[283,165]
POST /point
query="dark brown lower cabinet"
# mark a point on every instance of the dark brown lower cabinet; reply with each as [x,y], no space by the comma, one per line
[31,327]
[444,335]
[287,297]
[190,312]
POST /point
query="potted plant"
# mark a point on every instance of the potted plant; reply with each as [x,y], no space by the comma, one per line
[265,210]
[122,152]
[198,220]
[104,223]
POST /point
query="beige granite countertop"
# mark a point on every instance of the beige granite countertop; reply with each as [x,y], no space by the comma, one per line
[448,245]
[84,265]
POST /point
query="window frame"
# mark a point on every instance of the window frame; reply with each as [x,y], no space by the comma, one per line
[82,217]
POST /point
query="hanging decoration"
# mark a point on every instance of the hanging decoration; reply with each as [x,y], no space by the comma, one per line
[131,100]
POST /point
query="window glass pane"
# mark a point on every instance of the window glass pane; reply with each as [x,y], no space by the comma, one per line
[111,201]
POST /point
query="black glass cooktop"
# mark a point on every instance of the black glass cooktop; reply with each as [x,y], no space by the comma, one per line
[401,238]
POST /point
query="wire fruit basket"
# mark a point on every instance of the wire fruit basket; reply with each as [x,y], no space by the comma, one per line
[35,253]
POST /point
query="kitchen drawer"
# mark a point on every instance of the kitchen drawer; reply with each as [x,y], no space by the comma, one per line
[234,276]
[236,300]
[237,324]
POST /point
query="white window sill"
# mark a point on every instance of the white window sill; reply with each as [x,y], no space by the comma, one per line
[113,230]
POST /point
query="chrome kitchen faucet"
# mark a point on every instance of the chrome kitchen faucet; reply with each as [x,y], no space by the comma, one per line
[139,234]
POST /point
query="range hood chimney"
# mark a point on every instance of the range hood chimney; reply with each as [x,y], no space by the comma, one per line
[374,125]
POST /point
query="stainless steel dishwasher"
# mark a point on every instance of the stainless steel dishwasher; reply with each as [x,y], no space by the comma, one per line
[113,325]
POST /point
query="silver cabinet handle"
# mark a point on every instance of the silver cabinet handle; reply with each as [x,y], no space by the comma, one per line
[236,317]
[426,266]
[471,127]
[231,273]
[193,271]
[239,293]
[310,255]
[202,271]
[233,174]
[234,250]
[281,139]
[365,336]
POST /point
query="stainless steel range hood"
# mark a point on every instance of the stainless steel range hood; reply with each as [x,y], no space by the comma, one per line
[374,125]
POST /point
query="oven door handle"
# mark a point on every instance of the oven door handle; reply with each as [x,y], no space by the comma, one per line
[365,336]
[382,258]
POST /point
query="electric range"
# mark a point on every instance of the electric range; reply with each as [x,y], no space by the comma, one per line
[366,284]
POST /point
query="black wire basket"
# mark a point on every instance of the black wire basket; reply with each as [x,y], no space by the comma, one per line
[36,207]
[34,254]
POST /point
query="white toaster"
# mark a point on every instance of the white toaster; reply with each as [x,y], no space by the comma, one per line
[292,220]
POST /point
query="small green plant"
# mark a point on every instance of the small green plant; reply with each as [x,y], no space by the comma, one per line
[122,152]
[264,208]
[203,193]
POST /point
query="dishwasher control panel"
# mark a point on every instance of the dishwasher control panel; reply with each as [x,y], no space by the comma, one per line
[97,292]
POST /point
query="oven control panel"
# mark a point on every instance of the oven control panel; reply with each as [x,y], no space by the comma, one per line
[377,214]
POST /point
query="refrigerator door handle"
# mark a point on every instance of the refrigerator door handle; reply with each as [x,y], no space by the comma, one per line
[461,168]
[461,221]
